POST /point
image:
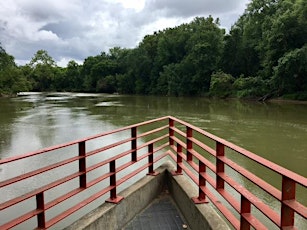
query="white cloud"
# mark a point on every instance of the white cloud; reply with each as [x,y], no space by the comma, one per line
[76,29]
[46,36]
[137,5]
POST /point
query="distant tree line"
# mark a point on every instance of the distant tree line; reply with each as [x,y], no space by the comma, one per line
[263,55]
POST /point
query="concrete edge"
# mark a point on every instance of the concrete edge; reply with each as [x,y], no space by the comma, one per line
[198,216]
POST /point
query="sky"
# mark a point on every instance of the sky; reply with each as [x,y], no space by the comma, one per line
[76,29]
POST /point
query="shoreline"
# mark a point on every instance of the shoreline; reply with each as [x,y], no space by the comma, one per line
[280,100]
[271,100]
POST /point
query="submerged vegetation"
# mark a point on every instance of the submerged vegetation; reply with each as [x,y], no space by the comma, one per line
[264,55]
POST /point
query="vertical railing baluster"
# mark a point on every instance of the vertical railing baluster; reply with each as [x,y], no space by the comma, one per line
[189,144]
[113,179]
[150,161]
[171,132]
[201,184]
[82,164]
[179,161]
[133,144]
[245,208]
[40,204]
[287,193]
[113,194]
[220,166]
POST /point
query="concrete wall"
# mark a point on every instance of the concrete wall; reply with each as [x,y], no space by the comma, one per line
[139,195]
[200,216]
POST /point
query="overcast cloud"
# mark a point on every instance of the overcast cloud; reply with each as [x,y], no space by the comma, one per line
[76,29]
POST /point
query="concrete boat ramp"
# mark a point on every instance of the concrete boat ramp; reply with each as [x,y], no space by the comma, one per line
[163,201]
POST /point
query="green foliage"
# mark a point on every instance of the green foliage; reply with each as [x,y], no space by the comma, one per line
[266,43]
[286,31]
[6,60]
[232,58]
[250,87]
[43,71]
[72,78]
[221,84]
[187,56]
[42,58]
[107,84]
[99,72]
[169,81]
[290,75]
[12,79]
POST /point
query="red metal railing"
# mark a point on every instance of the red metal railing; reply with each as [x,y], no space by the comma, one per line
[127,155]
[219,175]
[205,158]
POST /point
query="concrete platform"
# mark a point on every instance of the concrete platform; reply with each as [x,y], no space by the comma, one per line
[142,194]
[162,213]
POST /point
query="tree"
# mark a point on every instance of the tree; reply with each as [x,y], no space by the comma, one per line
[73,78]
[287,31]
[42,58]
[262,44]
[290,75]
[233,58]
[96,68]
[43,71]
[204,51]
[6,60]
[12,79]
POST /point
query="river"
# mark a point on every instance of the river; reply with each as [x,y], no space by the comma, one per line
[276,131]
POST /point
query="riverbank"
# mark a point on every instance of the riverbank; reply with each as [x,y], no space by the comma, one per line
[271,100]
[281,100]
[7,95]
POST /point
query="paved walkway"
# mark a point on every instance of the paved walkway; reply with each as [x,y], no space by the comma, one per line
[161,214]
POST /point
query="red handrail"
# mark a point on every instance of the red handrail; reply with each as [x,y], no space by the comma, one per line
[185,144]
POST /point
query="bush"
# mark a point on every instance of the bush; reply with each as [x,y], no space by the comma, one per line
[221,84]
[250,87]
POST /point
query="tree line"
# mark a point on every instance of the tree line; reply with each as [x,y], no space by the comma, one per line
[263,55]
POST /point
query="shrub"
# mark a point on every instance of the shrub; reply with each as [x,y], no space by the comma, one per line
[221,84]
[250,87]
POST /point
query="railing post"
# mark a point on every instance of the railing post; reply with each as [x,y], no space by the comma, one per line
[245,209]
[287,193]
[189,144]
[40,204]
[201,184]
[133,144]
[113,198]
[220,167]
[150,161]
[179,161]
[171,131]
[82,164]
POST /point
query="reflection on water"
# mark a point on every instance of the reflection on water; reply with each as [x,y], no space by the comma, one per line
[276,131]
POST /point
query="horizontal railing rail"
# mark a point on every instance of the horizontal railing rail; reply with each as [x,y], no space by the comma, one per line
[208,160]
